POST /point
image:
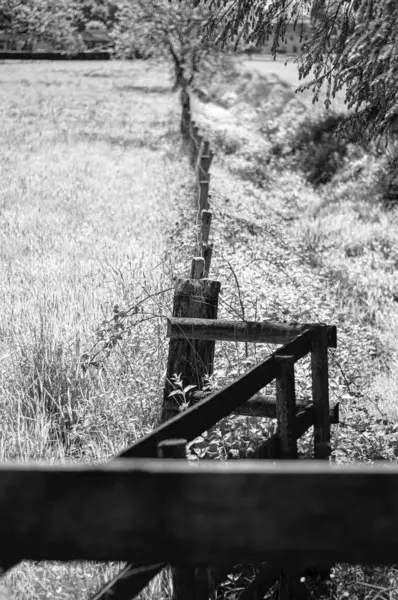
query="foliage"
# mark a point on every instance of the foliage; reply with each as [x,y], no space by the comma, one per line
[40,19]
[57,21]
[353,47]
[94,13]
[167,29]
[315,148]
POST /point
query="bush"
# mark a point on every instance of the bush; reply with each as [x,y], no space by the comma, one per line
[316,148]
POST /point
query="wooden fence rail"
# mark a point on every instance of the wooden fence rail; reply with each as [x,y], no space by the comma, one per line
[192,422]
[268,332]
[166,511]
[295,513]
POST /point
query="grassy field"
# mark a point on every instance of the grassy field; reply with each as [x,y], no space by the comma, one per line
[92,183]
[96,206]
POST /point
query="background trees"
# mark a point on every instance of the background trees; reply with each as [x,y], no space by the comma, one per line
[57,21]
[40,19]
[353,47]
[166,29]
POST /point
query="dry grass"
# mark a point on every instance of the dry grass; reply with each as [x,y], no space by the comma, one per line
[91,182]
[325,253]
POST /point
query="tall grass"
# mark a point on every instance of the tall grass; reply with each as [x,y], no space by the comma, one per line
[92,183]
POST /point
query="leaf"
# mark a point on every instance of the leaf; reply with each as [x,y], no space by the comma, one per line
[175,393]
[188,388]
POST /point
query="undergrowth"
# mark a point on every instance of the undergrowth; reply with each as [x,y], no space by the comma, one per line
[95,213]
[303,220]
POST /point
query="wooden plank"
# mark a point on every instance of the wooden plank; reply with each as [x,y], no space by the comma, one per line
[320,391]
[195,420]
[212,512]
[240,331]
[265,406]
[286,407]
[192,359]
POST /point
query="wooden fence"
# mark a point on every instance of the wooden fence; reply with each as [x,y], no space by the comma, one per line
[204,519]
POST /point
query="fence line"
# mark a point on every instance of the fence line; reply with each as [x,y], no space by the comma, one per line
[130,509]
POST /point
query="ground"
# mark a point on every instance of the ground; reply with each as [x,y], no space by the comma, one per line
[98,212]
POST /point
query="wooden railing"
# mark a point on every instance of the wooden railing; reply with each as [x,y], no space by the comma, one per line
[158,512]
[193,330]
[170,512]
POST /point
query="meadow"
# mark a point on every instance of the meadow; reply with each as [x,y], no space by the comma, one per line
[90,185]
[97,219]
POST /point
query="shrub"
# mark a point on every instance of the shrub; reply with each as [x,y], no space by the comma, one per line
[316,148]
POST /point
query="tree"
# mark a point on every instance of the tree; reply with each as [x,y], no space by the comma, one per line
[353,47]
[40,19]
[58,21]
[94,13]
[167,29]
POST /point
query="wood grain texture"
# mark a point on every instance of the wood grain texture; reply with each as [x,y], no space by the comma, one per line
[320,391]
[207,251]
[205,226]
[241,331]
[192,359]
[265,406]
[209,513]
[204,183]
[197,267]
[286,406]
[198,418]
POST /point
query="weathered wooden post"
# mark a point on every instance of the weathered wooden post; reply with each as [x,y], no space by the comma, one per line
[203,176]
[320,398]
[204,183]
[194,150]
[192,359]
[186,112]
[189,583]
[290,586]
[206,216]
[198,267]
[206,248]
[286,407]
[320,391]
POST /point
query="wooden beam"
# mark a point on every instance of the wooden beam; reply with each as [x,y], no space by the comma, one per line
[264,406]
[241,331]
[221,513]
[198,418]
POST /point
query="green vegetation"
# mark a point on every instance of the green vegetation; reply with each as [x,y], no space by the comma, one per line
[352,48]
[92,182]
[97,219]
